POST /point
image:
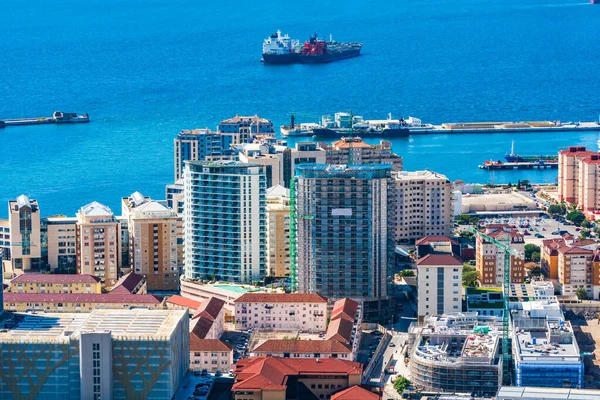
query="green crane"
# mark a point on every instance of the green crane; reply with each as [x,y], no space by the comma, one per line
[506,351]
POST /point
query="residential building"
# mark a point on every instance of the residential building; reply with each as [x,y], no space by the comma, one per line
[55,283]
[423,205]
[550,254]
[265,155]
[545,351]
[174,196]
[489,258]
[485,300]
[61,242]
[302,153]
[278,231]
[274,378]
[78,302]
[345,325]
[448,357]
[197,145]
[225,221]
[206,350]
[243,129]
[362,153]
[131,283]
[152,241]
[5,239]
[344,227]
[25,244]
[108,354]
[303,349]
[98,243]
[281,311]
[439,276]
[570,185]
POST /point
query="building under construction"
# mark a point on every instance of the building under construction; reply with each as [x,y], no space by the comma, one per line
[341,233]
[457,352]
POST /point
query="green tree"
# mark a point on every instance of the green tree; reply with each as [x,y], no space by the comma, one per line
[468,268]
[466,234]
[582,294]
[529,250]
[556,209]
[525,183]
[407,272]
[535,256]
[576,217]
[473,220]
[586,224]
[537,271]
[584,234]
[400,384]
[470,278]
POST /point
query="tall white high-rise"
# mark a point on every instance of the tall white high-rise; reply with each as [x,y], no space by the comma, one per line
[225,221]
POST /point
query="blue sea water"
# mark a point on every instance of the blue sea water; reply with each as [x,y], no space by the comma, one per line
[144,70]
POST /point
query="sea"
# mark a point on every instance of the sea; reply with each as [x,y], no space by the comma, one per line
[145,70]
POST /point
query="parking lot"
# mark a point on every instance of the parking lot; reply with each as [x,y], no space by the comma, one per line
[239,340]
[368,343]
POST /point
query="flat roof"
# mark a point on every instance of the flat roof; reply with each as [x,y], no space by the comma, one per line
[531,393]
[121,323]
[535,345]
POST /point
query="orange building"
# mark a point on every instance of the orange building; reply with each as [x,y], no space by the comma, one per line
[489,258]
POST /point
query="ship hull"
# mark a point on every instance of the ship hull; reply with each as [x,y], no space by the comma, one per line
[324,132]
[291,58]
[297,58]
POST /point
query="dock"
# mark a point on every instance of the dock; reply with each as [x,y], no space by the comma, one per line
[518,165]
[506,127]
[57,117]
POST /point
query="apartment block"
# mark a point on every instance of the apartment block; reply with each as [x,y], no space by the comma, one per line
[550,252]
[152,241]
[225,221]
[206,350]
[339,153]
[78,302]
[55,283]
[242,129]
[489,258]
[197,145]
[301,153]
[61,241]
[174,196]
[439,276]
[423,205]
[98,243]
[344,230]
[275,378]
[95,355]
[265,155]
[281,311]
[278,231]
[569,164]
[25,243]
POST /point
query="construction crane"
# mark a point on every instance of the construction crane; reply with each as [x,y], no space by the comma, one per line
[294,215]
[506,351]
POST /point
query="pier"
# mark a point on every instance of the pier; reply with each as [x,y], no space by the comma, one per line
[57,117]
[519,165]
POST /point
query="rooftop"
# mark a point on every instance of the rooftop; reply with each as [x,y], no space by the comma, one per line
[55,279]
[95,209]
[301,346]
[84,298]
[546,341]
[121,323]
[127,283]
[197,344]
[439,259]
[355,393]
[516,393]
[410,175]
[183,301]
[345,309]
[260,373]
[280,298]
[430,239]
[240,118]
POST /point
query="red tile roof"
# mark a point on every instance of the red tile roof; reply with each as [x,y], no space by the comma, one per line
[201,327]
[197,344]
[346,144]
[341,330]
[344,308]
[183,301]
[355,393]
[81,298]
[127,283]
[427,239]
[56,278]
[439,259]
[209,308]
[577,151]
[280,298]
[270,373]
[301,346]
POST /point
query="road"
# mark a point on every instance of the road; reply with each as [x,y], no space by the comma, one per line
[392,352]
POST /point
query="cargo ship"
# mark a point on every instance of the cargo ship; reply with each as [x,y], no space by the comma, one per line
[512,157]
[540,164]
[281,49]
[58,117]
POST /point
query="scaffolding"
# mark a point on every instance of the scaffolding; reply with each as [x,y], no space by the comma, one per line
[293,255]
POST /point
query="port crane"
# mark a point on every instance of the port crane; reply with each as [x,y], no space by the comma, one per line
[508,252]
